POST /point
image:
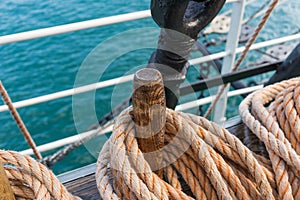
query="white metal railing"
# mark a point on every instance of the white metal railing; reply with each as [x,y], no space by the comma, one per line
[69,92]
[56,30]
[119,80]
[69,140]
[209,99]
[241,49]
[228,61]
[17,37]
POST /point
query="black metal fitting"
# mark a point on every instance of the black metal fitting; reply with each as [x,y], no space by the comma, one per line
[180,22]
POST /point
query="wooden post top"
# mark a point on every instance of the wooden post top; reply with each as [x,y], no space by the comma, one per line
[6,192]
[149,115]
[147,77]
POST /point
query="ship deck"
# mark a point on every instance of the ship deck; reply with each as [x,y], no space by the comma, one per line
[81,182]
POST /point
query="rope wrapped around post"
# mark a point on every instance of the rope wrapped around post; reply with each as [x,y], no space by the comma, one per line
[273,115]
[32,180]
[198,156]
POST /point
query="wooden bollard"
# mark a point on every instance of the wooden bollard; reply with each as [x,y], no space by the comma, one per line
[6,192]
[149,115]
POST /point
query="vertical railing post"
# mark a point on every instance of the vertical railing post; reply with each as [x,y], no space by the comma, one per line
[228,62]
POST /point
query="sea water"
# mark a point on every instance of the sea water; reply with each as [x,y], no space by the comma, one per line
[42,66]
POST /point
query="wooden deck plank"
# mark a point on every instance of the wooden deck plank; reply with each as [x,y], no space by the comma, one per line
[81,182]
[84,187]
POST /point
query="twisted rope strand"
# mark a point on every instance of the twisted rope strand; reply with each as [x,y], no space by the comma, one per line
[244,154]
[209,159]
[172,177]
[39,190]
[279,166]
[213,162]
[33,176]
[278,127]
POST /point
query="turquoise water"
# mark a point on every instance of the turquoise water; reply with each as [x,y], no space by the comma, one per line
[46,65]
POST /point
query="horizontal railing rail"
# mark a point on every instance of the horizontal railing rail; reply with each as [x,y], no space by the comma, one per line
[184,106]
[206,100]
[61,29]
[69,140]
[124,79]
[77,26]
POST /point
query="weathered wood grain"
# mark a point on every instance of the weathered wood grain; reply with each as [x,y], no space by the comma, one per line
[6,192]
[149,115]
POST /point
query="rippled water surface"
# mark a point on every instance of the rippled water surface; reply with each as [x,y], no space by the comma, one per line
[41,66]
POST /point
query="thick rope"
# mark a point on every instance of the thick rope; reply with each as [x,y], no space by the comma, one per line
[273,116]
[212,162]
[243,55]
[32,180]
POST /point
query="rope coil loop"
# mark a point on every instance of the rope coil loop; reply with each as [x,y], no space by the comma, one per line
[198,155]
[272,114]
[32,180]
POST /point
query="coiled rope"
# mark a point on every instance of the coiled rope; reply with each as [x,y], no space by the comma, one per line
[211,161]
[273,115]
[32,180]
